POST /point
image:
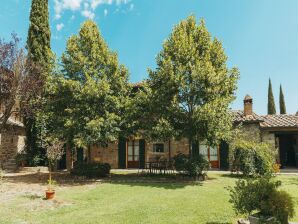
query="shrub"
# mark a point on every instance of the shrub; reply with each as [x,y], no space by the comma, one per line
[91,170]
[180,162]
[194,166]
[262,196]
[253,159]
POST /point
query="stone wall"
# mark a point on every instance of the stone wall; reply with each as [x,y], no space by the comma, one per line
[107,154]
[252,132]
[176,147]
[12,141]
[269,138]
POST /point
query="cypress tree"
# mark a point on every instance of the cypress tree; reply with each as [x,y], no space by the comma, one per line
[271,103]
[282,104]
[40,56]
[39,35]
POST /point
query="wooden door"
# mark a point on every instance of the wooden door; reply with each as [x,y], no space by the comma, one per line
[213,157]
[133,153]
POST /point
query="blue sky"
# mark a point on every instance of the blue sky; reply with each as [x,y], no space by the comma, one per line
[260,36]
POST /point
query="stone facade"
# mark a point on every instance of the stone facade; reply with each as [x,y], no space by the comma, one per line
[171,148]
[109,154]
[12,141]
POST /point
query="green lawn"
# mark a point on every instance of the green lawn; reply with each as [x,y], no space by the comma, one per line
[134,203]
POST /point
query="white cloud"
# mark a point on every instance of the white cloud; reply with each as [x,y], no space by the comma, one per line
[105,12]
[88,14]
[59,26]
[86,7]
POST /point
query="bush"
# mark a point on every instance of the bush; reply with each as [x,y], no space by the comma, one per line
[194,166]
[91,170]
[253,159]
[262,196]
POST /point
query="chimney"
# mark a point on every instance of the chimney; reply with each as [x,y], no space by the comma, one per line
[247,105]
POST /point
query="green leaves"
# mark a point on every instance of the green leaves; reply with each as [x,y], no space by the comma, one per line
[89,100]
[192,86]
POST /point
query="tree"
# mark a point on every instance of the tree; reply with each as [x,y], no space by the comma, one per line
[271,103]
[40,55]
[190,91]
[87,101]
[39,35]
[16,85]
[282,104]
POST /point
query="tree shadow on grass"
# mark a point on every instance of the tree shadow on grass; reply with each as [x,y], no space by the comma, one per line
[67,180]
[218,223]
[157,181]
[62,179]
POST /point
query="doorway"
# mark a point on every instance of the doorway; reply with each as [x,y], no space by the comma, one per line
[288,150]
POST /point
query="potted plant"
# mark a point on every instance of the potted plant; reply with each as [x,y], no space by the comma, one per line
[54,153]
[261,200]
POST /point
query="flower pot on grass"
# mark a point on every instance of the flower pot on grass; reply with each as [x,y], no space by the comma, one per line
[50,194]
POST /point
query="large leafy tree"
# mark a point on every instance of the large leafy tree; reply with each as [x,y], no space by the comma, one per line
[282,103]
[39,55]
[271,103]
[190,91]
[88,101]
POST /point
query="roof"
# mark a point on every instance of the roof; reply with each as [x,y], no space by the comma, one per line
[280,121]
[239,117]
[13,122]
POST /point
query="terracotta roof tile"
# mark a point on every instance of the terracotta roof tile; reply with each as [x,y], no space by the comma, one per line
[239,117]
[280,121]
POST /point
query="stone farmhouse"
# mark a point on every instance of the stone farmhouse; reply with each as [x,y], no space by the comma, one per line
[12,139]
[281,131]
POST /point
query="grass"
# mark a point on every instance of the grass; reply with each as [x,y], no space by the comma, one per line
[130,202]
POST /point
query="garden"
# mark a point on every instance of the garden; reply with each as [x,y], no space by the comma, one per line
[125,198]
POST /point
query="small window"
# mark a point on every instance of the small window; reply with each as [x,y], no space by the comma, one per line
[158,147]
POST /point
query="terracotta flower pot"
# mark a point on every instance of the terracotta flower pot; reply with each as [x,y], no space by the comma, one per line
[50,194]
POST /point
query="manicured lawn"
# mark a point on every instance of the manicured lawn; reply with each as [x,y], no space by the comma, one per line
[133,203]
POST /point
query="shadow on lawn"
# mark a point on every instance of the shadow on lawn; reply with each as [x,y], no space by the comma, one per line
[157,181]
[217,222]
[62,179]
[65,179]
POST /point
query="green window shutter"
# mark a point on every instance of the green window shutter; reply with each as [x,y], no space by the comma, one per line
[122,153]
[224,155]
[80,155]
[142,153]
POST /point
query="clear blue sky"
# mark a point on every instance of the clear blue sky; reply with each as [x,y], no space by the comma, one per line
[260,36]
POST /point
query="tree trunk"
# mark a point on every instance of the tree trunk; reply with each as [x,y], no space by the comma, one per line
[68,157]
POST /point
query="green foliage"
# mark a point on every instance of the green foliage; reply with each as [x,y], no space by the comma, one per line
[91,170]
[41,58]
[252,159]
[262,196]
[271,103]
[192,87]
[21,157]
[180,161]
[193,166]
[282,104]
[87,102]
[39,34]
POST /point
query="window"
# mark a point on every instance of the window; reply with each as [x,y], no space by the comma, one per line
[158,147]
